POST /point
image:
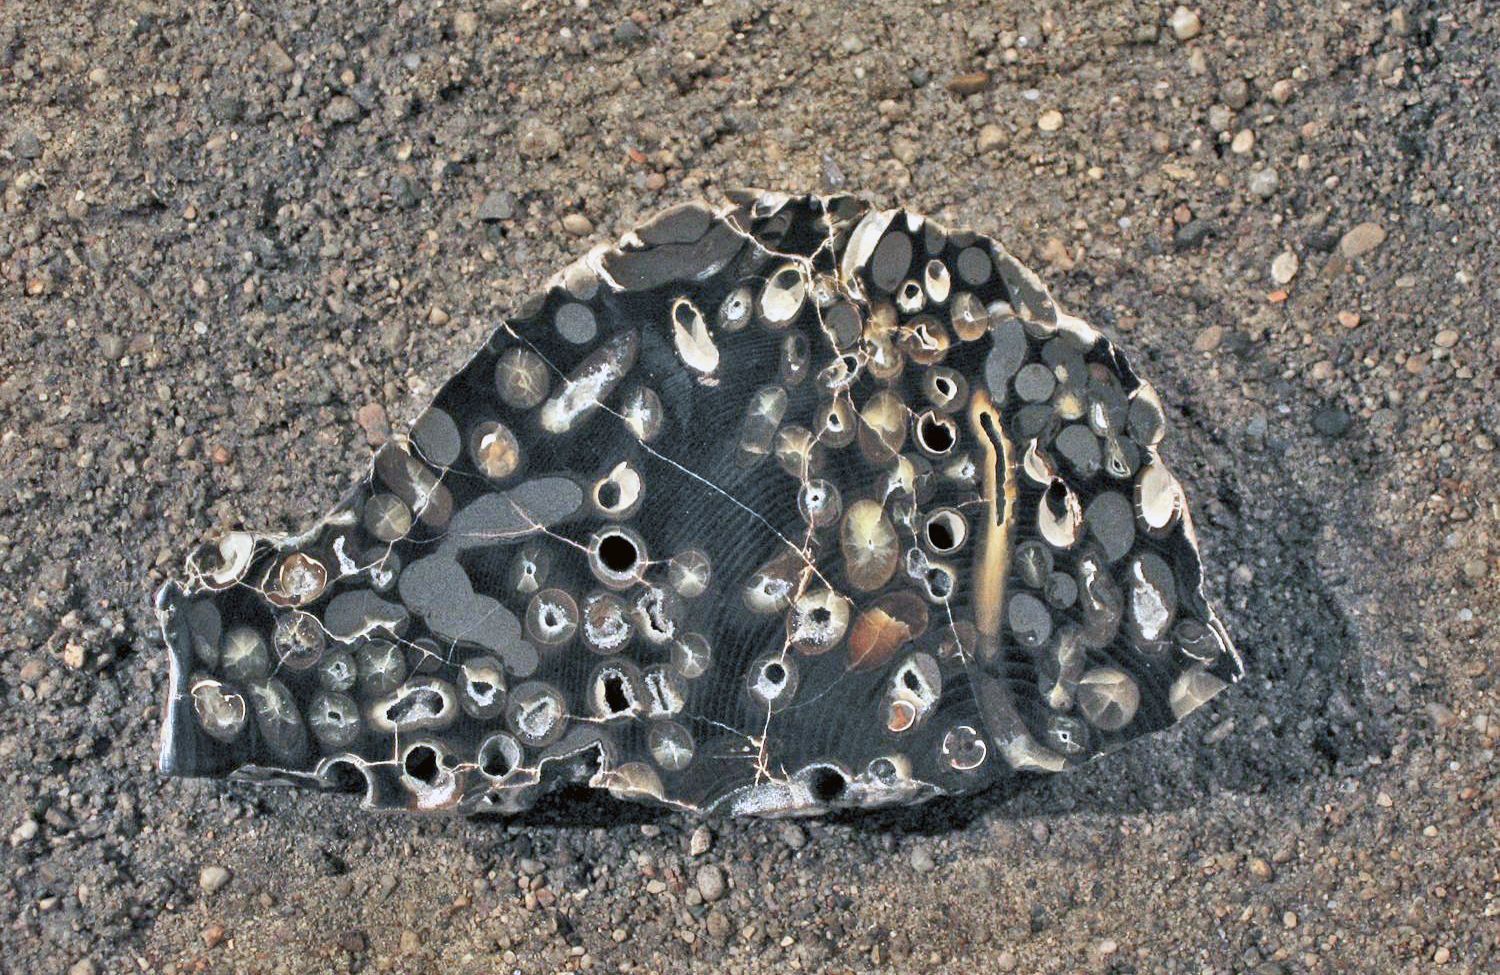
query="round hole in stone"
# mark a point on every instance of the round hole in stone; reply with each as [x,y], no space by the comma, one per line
[775,673]
[617,553]
[495,764]
[826,784]
[615,697]
[345,777]
[421,763]
[608,495]
[499,756]
[935,434]
[940,534]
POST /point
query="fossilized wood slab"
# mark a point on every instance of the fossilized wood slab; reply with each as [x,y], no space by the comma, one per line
[792,506]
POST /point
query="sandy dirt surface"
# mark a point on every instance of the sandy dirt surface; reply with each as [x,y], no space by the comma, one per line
[235,238]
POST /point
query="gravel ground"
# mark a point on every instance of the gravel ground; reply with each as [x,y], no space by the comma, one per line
[237,238]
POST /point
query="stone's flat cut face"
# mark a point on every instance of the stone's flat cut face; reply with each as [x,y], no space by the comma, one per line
[789,506]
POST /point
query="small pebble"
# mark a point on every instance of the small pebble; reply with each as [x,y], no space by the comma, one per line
[1235,93]
[921,860]
[1006,961]
[794,836]
[1447,338]
[710,882]
[1049,121]
[277,59]
[1289,920]
[1285,267]
[111,346]
[993,137]
[1243,142]
[577,224]
[500,205]
[701,841]
[371,418]
[1263,183]
[213,879]
[340,109]
[971,83]
[1185,24]
[1208,339]
[1332,422]
[1361,239]
[82,967]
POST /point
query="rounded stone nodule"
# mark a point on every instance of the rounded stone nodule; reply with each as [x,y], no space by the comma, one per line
[277,719]
[551,618]
[1108,698]
[537,714]
[819,503]
[299,640]
[221,710]
[244,655]
[782,298]
[689,573]
[495,450]
[498,757]
[605,623]
[615,690]
[772,680]
[964,748]
[617,557]
[691,655]
[387,517]
[522,378]
[481,687]
[671,745]
[423,703]
[334,719]
[869,544]
[817,621]
[382,667]
[736,310]
[299,580]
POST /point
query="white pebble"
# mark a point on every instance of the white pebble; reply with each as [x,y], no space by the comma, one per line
[1185,24]
[213,879]
[1285,267]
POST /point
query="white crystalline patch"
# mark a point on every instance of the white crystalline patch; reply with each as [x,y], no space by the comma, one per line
[1147,604]
[583,392]
[611,635]
[347,567]
[563,410]
[538,718]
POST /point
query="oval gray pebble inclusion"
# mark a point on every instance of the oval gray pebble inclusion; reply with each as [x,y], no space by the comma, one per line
[781,467]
